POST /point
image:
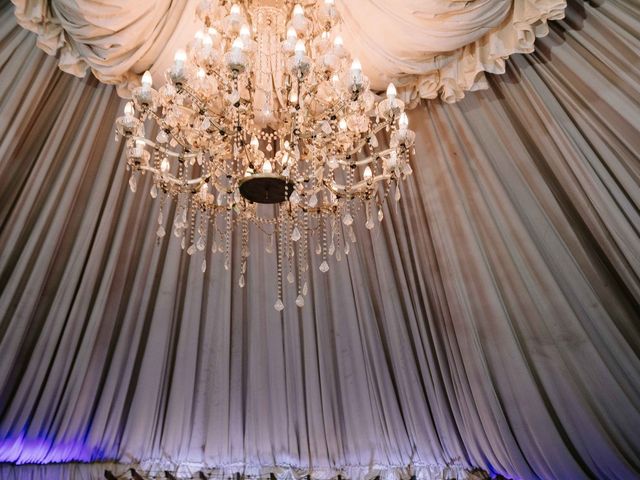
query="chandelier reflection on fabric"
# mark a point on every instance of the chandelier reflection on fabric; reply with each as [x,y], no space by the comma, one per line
[266,121]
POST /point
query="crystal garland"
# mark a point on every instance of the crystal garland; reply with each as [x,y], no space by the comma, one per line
[265,120]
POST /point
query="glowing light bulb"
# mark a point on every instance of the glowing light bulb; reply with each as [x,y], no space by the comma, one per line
[329,2]
[201,74]
[338,42]
[140,144]
[403,121]
[266,167]
[300,48]
[367,173]
[147,80]
[335,79]
[245,32]
[129,111]
[291,33]
[235,9]
[165,165]
[204,189]
[293,97]
[355,66]
[207,42]
[391,91]
[237,45]
[180,57]
[213,33]
[342,124]
[254,142]
[298,10]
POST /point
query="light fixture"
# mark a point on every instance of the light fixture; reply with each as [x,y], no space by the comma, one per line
[266,125]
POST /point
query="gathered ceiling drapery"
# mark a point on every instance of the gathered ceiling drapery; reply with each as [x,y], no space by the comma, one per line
[490,321]
[428,47]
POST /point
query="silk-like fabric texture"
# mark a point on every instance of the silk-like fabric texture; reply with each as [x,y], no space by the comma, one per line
[491,320]
[428,47]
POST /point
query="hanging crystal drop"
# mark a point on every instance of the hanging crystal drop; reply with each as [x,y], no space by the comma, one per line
[300,301]
[318,248]
[332,247]
[305,288]
[191,250]
[269,147]
[397,197]
[133,183]
[279,306]
[347,248]
[200,245]
[369,224]
[183,243]
[214,246]
[338,255]
[204,266]
[161,232]
[160,218]
[313,201]
[295,235]
[347,219]
[269,247]
[380,214]
[241,281]
[162,137]
[226,263]
[294,199]
[374,141]
[352,235]
[324,267]
[290,277]
[154,191]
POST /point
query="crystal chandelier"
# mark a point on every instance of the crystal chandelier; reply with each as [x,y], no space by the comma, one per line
[265,125]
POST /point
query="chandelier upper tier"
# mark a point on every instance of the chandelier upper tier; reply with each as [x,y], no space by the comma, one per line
[265,125]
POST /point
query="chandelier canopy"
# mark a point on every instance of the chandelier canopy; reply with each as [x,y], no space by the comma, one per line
[264,120]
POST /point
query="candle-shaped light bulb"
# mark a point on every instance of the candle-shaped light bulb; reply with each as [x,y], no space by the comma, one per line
[355,66]
[338,42]
[329,2]
[342,124]
[237,45]
[245,32]
[367,174]
[140,144]
[129,111]
[213,33]
[180,57]
[403,121]
[300,48]
[165,165]
[266,167]
[207,42]
[298,10]
[147,80]
[201,74]
[391,91]
[235,9]
[204,189]
[254,142]
[291,33]
[293,97]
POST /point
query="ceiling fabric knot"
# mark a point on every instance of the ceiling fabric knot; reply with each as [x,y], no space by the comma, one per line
[429,48]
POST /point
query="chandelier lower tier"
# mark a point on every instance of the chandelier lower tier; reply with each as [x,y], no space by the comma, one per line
[265,120]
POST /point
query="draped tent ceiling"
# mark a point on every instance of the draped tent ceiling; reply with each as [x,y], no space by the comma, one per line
[491,321]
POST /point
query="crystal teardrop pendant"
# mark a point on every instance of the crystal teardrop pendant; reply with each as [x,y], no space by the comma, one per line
[241,282]
[279,306]
[369,224]
[300,301]
[200,245]
[133,183]
[347,219]
[154,191]
[295,236]
[324,267]
[380,215]
[204,266]
[161,232]
[290,277]
[191,250]
[305,288]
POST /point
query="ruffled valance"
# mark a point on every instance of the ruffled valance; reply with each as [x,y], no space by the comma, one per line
[430,48]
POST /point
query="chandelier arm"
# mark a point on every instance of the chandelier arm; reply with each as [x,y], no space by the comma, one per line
[166,151]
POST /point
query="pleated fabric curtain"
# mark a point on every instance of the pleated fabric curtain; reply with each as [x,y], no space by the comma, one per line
[490,321]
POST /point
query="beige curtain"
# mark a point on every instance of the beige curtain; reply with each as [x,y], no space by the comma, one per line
[492,321]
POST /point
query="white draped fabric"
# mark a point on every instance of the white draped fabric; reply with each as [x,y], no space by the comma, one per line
[430,47]
[492,320]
